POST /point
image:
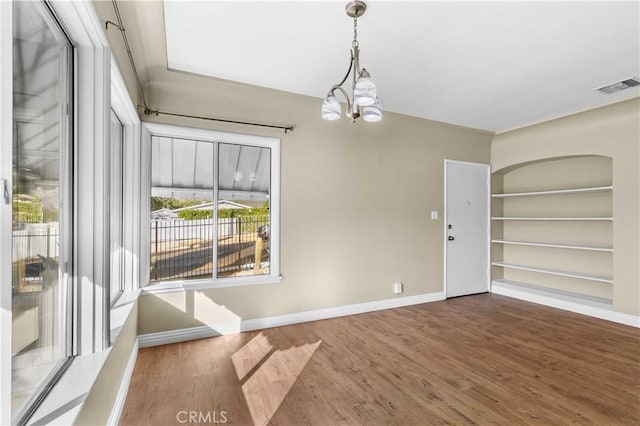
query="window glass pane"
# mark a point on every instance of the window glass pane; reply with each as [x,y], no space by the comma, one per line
[117,254]
[41,80]
[181,209]
[244,185]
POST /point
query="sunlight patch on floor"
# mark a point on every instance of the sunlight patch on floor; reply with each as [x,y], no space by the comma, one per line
[248,357]
[268,386]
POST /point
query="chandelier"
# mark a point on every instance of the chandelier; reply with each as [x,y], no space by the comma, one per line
[364,99]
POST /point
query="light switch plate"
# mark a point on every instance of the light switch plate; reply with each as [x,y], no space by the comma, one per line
[434,215]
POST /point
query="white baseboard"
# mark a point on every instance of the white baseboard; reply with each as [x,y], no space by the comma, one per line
[180,335]
[223,328]
[541,298]
[121,397]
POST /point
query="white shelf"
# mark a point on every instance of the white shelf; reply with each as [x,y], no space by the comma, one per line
[555,191]
[553,293]
[569,274]
[555,218]
[561,246]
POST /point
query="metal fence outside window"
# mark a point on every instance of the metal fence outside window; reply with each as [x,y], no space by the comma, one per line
[36,248]
[184,248]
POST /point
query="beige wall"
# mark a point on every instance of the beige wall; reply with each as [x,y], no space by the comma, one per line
[355,203]
[100,401]
[612,131]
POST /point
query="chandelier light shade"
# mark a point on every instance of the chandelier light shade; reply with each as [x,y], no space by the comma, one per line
[373,112]
[364,95]
[331,109]
[365,91]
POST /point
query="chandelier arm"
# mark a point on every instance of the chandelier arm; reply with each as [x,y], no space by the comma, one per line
[348,71]
[344,93]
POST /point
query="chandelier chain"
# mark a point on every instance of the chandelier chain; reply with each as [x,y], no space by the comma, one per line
[354,43]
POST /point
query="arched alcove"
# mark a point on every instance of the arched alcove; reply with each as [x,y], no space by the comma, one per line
[552,227]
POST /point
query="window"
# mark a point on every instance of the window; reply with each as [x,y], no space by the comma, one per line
[56,312]
[116,207]
[244,188]
[41,229]
[181,209]
[213,206]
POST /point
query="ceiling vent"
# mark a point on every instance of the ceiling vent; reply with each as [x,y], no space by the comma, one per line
[620,85]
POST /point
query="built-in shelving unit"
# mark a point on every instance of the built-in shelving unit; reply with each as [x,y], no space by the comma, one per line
[552,227]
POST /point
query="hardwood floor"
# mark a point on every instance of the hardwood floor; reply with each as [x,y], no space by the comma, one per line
[483,359]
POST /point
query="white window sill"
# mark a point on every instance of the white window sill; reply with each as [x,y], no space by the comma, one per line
[120,311]
[209,283]
[64,402]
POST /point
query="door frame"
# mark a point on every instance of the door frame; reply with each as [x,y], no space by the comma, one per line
[444,221]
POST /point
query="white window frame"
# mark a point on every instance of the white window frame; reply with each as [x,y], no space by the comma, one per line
[91,175]
[150,130]
[123,106]
[116,260]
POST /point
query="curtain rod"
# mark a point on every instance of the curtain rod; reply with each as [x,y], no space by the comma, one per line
[120,26]
[148,111]
[145,108]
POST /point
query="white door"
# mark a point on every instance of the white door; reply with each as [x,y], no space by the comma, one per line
[466,221]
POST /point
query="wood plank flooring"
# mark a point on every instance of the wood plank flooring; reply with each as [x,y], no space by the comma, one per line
[483,359]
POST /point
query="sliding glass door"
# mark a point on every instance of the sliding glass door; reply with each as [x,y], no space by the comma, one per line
[42,81]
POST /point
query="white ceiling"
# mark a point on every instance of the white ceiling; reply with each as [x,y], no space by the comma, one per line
[487,65]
